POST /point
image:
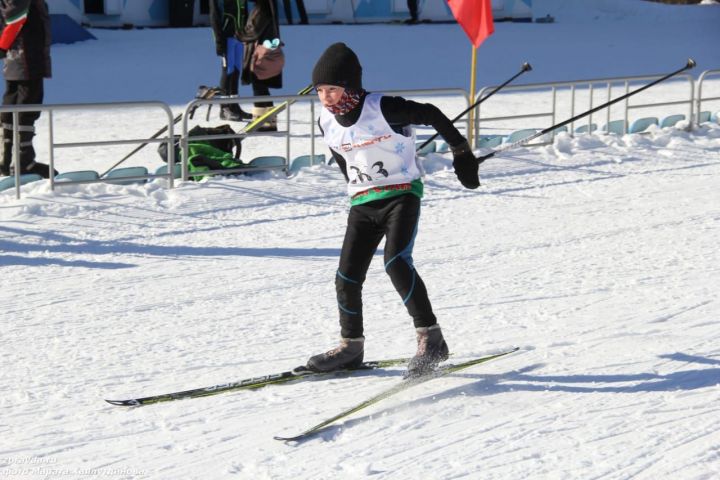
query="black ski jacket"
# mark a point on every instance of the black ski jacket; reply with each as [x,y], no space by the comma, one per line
[28,56]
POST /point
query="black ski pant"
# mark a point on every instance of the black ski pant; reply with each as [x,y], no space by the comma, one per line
[396,219]
[21,92]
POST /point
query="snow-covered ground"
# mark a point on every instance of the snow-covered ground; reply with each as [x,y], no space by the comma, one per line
[597,255]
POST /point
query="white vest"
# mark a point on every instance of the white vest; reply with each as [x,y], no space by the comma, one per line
[374,153]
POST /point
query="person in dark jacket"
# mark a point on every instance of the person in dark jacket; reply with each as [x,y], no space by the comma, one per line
[370,135]
[262,27]
[227,20]
[25,48]
[301,10]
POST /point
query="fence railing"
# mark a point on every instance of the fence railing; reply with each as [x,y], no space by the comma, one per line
[553,90]
[700,88]
[200,102]
[53,145]
[692,98]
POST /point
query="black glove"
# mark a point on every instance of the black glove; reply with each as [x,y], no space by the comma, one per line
[3,53]
[466,165]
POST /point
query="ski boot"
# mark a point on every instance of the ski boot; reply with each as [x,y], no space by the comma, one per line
[432,350]
[349,354]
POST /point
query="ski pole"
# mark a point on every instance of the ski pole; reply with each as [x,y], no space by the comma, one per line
[142,145]
[690,64]
[526,67]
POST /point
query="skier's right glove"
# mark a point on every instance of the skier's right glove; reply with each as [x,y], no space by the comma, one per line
[466,165]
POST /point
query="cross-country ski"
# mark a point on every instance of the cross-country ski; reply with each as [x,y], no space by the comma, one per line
[253,383]
[394,390]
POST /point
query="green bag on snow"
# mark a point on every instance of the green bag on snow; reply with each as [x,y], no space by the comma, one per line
[209,154]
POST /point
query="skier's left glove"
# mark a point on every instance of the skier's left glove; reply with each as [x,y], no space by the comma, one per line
[466,165]
[3,53]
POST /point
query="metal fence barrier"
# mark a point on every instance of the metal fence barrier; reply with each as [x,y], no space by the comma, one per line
[693,99]
[51,109]
[589,86]
[700,99]
[199,102]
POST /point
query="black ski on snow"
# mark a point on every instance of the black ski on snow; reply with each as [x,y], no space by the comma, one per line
[254,383]
[404,385]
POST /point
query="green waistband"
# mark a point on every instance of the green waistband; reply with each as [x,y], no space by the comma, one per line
[387,191]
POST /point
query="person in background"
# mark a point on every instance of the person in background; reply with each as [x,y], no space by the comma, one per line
[371,138]
[301,10]
[227,20]
[262,27]
[25,48]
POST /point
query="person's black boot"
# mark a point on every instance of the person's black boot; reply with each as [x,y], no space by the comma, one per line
[234,113]
[432,349]
[40,169]
[349,354]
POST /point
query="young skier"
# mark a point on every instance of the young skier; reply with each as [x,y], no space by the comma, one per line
[371,138]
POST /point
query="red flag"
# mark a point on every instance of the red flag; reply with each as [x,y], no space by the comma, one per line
[475,17]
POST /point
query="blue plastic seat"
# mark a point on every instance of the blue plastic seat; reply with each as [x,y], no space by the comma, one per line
[518,135]
[429,148]
[615,126]
[120,173]
[704,117]
[442,147]
[586,128]
[163,169]
[268,161]
[9,182]
[489,141]
[642,124]
[78,176]
[306,161]
[671,120]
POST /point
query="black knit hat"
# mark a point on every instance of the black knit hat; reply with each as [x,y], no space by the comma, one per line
[338,65]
